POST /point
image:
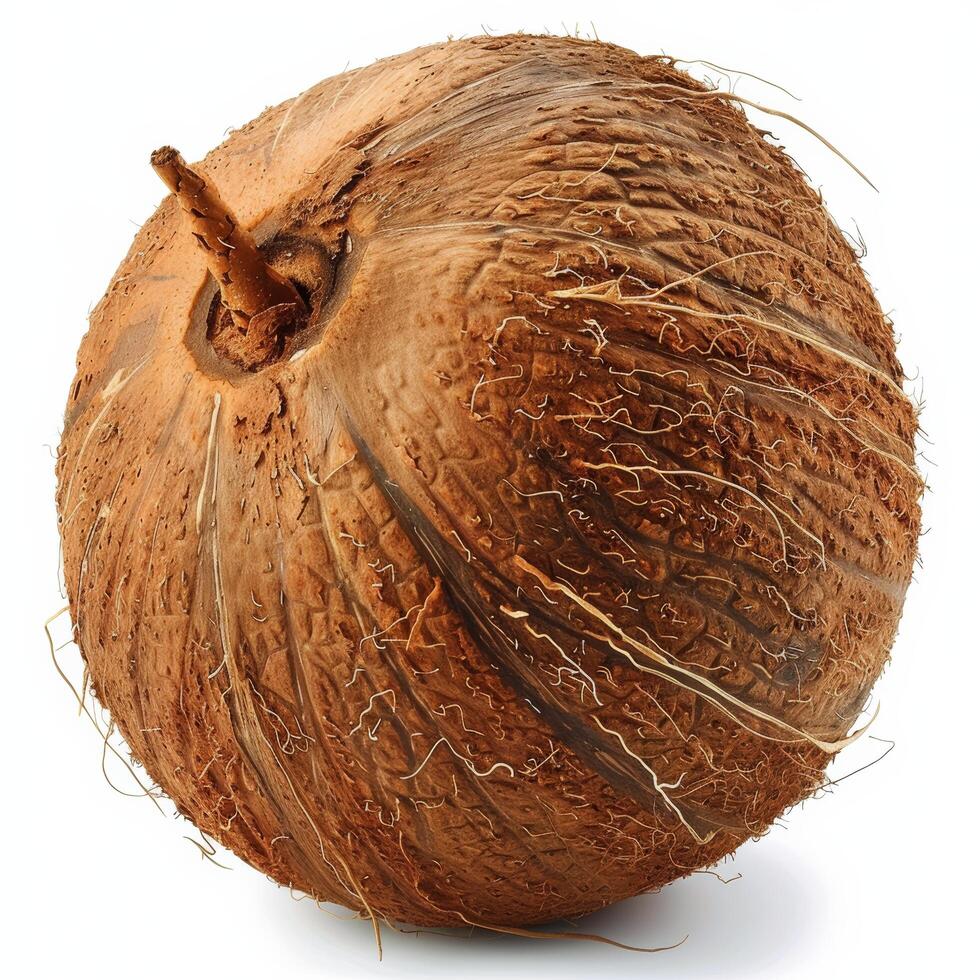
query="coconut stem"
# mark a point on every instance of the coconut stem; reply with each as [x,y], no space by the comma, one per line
[249,286]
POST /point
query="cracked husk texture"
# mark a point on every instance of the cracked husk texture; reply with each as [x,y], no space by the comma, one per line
[557,554]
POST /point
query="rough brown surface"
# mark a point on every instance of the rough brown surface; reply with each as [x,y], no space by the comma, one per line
[555,557]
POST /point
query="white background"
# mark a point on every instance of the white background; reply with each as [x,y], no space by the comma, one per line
[874,879]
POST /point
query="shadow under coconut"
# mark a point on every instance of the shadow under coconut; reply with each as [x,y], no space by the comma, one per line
[734,929]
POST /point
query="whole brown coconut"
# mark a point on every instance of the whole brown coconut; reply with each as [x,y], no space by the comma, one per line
[523,524]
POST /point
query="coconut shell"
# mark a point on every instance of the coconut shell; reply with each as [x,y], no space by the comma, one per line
[556,552]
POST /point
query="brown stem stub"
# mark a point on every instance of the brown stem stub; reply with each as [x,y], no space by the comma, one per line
[250,288]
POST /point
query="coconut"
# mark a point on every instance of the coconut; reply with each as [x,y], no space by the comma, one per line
[488,490]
